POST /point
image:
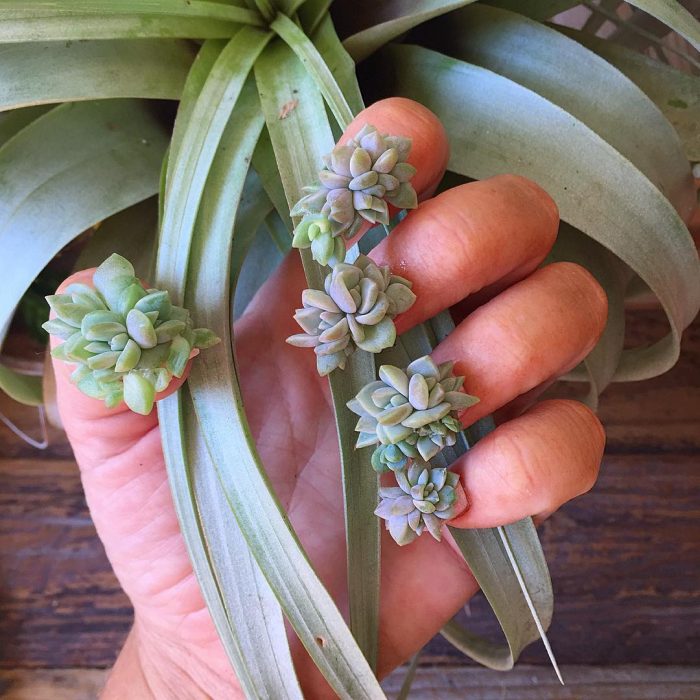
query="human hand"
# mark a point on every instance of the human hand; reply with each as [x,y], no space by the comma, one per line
[482,242]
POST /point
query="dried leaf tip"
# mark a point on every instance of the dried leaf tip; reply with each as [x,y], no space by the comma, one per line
[355,310]
[127,342]
[358,182]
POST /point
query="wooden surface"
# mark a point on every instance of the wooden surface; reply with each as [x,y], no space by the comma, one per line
[624,559]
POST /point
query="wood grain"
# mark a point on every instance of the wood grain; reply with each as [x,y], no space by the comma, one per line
[536,683]
[431,683]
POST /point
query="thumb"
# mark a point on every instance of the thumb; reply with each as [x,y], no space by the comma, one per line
[95,431]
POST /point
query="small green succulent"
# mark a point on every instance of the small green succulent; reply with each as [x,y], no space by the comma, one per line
[127,342]
[356,309]
[410,414]
[424,499]
[360,180]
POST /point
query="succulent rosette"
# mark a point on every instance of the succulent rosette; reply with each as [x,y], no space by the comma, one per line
[410,414]
[424,499]
[360,180]
[127,342]
[356,310]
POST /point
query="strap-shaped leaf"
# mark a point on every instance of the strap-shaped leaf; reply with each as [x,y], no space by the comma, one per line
[675,93]
[299,141]
[554,66]
[241,605]
[314,63]
[182,449]
[193,150]
[64,172]
[14,121]
[535,9]
[20,387]
[512,129]
[674,16]
[47,20]
[254,206]
[339,62]
[395,18]
[38,73]
[253,611]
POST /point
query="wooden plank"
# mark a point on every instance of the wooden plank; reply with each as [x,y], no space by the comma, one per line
[624,561]
[52,684]
[536,683]
[431,683]
[60,604]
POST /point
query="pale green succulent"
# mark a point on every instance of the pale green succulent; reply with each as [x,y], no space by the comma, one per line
[410,414]
[424,499]
[360,179]
[128,342]
[356,310]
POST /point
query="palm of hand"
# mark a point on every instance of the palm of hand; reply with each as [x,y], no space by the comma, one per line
[530,465]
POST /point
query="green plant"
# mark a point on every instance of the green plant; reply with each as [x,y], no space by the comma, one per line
[254,81]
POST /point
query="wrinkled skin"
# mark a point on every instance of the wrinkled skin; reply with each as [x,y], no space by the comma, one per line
[482,242]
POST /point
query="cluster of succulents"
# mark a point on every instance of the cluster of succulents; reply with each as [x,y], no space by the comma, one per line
[360,180]
[356,310]
[127,342]
[424,499]
[412,415]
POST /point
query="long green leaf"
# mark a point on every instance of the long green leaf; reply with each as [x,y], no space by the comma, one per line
[14,121]
[182,448]
[315,64]
[512,129]
[394,18]
[299,141]
[675,93]
[553,66]
[190,162]
[254,206]
[64,172]
[21,387]
[38,73]
[265,166]
[254,613]
[241,608]
[47,20]
[535,9]
[131,233]
[674,16]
